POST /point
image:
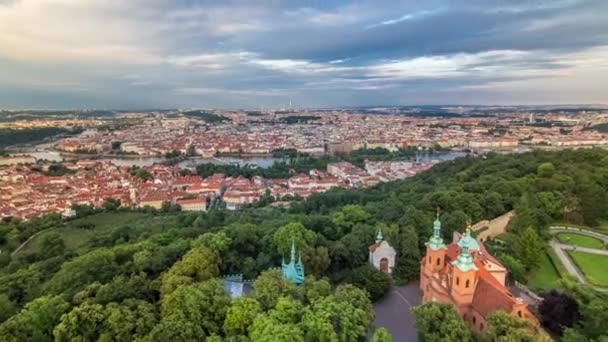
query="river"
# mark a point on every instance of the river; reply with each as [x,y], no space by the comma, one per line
[55,156]
[44,152]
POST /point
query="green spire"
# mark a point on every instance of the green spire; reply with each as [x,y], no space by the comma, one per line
[436,241]
[294,270]
[465,261]
[379,237]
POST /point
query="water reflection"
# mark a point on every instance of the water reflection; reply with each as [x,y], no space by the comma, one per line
[42,152]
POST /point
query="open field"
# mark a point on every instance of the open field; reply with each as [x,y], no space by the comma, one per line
[78,234]
[580,240]
[594,266]
[546,275]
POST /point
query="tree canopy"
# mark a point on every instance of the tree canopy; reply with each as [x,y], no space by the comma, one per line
[439,322]
[165,267]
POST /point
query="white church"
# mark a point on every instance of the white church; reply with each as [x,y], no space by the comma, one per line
[382,255]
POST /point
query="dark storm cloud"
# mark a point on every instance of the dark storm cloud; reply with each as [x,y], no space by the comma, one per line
[442,30]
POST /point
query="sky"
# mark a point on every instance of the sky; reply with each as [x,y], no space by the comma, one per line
[130,54]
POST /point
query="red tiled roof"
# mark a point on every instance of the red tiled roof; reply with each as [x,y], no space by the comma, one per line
[489,298]
[486,255]
[191,201]
[452,252]
[187,180]
[490,295]
[155,196]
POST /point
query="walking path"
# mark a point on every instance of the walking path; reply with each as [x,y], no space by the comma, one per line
[560,249]
[565,260]
[583,249]
[562,229]
[28,240]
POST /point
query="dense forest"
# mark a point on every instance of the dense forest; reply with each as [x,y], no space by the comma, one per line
[33,115]
[297,119]
[114,274]
[603,128]
[10,137]
[206,116]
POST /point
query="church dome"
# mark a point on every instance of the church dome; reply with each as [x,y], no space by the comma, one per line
[468,242]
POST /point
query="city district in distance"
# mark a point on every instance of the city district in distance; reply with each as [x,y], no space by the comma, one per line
[150,158]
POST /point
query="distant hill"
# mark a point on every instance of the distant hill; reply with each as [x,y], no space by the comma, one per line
[206,116]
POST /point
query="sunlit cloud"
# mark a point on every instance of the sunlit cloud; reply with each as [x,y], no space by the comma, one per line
[210,60]
[405,17]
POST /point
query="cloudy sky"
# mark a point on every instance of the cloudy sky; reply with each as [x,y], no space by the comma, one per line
[196,53]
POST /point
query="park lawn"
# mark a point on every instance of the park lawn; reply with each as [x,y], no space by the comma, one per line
[594,266]
[545,277]
[76,238]
[580,240]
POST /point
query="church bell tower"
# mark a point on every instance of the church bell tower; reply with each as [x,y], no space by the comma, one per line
[434,259]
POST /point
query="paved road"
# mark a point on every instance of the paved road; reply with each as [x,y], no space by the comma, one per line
[393,312]
[563,257]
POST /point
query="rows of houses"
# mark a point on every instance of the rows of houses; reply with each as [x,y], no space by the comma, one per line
[28,191]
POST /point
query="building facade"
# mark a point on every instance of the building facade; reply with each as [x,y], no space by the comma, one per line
[382,255]
[465,275]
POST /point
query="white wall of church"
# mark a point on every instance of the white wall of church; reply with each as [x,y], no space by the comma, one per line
[383,251]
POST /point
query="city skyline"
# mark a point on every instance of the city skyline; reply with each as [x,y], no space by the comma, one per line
[150,54]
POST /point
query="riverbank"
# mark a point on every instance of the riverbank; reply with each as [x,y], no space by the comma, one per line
[143,161]
[46,152]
